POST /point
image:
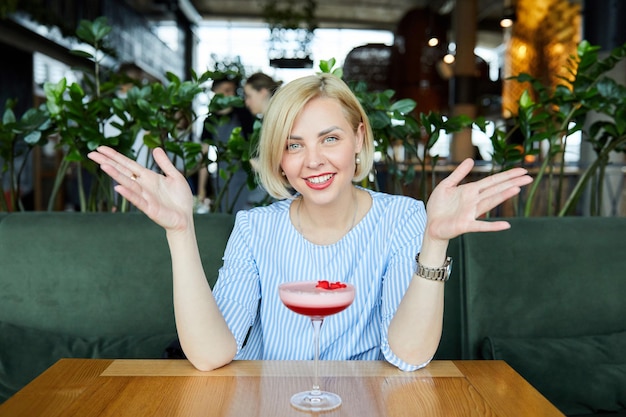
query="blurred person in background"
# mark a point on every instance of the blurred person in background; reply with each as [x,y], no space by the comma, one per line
[258,90]
[229,119]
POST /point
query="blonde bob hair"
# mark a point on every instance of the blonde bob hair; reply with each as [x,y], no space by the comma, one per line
[285,106]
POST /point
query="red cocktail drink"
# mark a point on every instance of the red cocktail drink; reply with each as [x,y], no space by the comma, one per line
[316,311]
[308,299]
[316,299]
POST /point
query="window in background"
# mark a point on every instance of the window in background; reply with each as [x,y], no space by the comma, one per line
[250,42]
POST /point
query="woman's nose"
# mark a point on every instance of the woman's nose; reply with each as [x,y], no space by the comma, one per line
[315,158]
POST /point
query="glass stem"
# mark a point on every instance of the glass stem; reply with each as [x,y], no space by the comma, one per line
[317,324]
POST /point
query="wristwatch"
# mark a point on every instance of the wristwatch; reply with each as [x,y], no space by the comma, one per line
[436,274]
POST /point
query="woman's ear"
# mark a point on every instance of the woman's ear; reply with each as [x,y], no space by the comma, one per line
[359,137]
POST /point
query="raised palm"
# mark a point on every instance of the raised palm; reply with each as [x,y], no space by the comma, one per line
[165,198]
[454,208]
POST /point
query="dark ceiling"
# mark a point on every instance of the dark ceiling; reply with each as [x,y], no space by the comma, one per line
[365,14]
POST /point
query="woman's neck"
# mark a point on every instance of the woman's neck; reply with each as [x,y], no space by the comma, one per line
[327,224]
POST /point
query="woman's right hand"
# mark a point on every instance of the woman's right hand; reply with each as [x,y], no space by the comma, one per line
[165,198]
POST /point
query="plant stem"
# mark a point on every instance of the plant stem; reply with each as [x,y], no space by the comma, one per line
[600,188]
[57,182]
[423,176]
[550,208]
[222,193]
[578,188]
[559,190]
[3,202]
[534,187]
[81,191]
[237,195]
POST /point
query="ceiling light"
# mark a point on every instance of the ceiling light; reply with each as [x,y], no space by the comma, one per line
[508,17]
[506,22]
[434,41]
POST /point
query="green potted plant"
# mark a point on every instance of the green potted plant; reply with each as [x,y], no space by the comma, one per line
[164,113]
[161,115]
[18,137]
[546,116]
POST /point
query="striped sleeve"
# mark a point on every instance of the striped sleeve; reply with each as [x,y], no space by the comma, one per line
[237,290]
[398,276]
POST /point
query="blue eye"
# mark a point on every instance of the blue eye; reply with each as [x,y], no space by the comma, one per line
[292,146]
[331,139]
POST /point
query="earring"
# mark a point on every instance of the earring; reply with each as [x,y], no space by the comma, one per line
[357,160]
[282,173]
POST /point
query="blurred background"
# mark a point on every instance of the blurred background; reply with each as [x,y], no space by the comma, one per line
[449,56]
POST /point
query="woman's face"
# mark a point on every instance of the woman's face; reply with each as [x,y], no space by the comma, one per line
[256,100]
[319,156]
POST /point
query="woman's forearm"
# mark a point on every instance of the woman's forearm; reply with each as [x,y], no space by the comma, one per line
[415,331]
[204,335]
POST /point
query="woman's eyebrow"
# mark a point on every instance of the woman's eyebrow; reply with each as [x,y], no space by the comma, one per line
[321,133]
[328,130]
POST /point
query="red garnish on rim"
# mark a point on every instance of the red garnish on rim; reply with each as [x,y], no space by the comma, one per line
[326,285]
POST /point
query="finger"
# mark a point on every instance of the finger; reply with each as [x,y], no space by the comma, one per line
[135,198]
[500,187]
[488,203]
[164,162]
[109,167]
[126,186]
[490,226]
[123,164]
[501,177]
[499,193]
[105,163]
[460,172]
[129,182]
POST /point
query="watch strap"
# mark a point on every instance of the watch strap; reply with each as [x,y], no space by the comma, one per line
[435,274]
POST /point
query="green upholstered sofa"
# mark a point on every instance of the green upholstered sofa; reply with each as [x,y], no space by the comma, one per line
[547,296]
[88,285]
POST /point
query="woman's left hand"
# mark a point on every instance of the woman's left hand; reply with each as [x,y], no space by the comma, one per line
[454,208]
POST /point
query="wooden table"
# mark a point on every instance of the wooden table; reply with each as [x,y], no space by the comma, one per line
[141,388]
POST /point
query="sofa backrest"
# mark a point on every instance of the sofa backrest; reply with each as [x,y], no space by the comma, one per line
[95,273]
[544,277]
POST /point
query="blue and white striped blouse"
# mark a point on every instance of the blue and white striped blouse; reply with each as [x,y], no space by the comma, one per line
[377,256]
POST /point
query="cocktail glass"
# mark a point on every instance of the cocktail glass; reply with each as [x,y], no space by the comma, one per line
[310,299]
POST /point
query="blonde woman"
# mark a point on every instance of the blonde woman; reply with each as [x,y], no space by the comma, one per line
[316,142]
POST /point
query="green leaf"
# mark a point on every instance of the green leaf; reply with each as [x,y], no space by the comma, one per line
[73,156]
[77,92]
[526,100]
[145,106]
[338,72]
[379,119]
[151,141]
[33,137]
[100,28]
[403,106]
[432,139]
[85,32]
[8,116]
[82,54]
